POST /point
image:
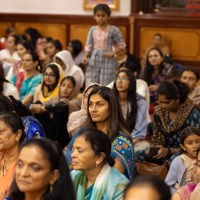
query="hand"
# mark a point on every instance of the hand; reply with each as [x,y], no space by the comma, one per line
[84,60]
[162,152]
[108,54]
[38,108]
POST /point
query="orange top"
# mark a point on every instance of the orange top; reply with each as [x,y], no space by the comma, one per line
[6,180]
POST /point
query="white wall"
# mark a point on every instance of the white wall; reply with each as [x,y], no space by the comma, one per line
[74,7]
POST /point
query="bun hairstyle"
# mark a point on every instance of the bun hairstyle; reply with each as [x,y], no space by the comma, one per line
[99,142]
[174,90]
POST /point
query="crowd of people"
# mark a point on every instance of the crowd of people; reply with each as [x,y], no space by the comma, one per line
[74,122]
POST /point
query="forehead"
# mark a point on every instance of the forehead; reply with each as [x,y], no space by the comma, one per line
[101,12]
[36,154]
[97,97]
[81,141]
[189,74]
[48,69]
[67,81]
[154,52]
[122,74]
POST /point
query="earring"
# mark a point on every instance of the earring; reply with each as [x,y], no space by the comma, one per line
[51,188]
[97,164]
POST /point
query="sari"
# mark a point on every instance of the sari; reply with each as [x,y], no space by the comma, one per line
[122,148]
[109,185]
[186,191]
[6,180]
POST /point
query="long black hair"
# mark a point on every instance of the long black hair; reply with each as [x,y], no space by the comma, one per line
[63,187]
[131,98]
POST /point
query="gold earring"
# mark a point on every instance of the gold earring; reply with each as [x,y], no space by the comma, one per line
[51,188]
[96,164]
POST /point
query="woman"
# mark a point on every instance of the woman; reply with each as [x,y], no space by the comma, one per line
[174,113]
[32,77]
[11,136]
[64,58]
[147,187]
[47,93]
[43,175]
[7,88]
[78,118]
[104,113]
[155,72]
[192,190]
[134,106]
[9,56]
[68,93]
[16,73]
[93,176]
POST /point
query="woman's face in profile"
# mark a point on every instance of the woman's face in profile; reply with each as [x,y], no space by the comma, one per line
[8,139]
[33,174]
[83,157]
[141,192]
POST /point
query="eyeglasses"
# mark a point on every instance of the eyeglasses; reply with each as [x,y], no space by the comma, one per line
[123,79]
[49,75]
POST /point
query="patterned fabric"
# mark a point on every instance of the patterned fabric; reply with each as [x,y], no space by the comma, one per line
[122,148]
[109,185]
[185,192]
[102,69]
[166,131]
[29,85]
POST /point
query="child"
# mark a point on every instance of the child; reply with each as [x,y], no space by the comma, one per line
[191,191]
[100,43]
[180,172]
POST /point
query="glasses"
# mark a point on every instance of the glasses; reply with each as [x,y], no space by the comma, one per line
[49,75]
[123,79]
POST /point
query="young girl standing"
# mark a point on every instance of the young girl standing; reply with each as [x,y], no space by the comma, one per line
[180,172]
[99,52]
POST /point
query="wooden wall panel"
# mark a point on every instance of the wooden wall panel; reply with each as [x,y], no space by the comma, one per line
[184,43]
[56,31]
[3,27]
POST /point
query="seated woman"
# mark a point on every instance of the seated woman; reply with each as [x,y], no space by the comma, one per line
[174,113]
[93,176]
[32,77]
[147,187]
[191,191]
[78,118]
[7,88]
[155,72]
[64,58]
[68,93]
[134,106]
[43,175]
[104,113]
[47,92]
[12,135]
[180,172]
[190,76]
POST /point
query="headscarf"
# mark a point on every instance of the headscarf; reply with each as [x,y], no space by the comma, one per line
[53,96]
[71,69]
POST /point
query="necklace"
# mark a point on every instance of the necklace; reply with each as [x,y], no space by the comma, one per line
[3,168]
